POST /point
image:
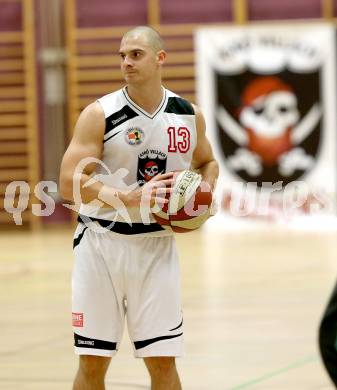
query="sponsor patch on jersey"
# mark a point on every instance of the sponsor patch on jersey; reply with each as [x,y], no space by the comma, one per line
[134,136]
[78,320]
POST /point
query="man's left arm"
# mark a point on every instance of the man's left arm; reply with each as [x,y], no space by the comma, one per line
[203,160]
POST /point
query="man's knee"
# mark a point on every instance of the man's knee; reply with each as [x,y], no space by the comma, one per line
[94,366]
[160,366]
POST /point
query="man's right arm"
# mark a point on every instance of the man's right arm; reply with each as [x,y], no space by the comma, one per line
[87,142]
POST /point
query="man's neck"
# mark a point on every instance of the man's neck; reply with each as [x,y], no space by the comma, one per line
[146,97]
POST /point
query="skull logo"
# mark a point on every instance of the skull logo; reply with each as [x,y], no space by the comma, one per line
[269,131]
[269,114]
[151,169]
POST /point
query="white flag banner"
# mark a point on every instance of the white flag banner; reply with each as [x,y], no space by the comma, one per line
[269,97]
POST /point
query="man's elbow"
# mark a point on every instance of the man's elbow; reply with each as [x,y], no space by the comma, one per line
[216,167]
[66,186]
[211,163]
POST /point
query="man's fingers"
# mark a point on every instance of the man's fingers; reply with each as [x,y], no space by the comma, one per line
[163,183]
[160,200]
[167,182]
[163,190]
[163,176]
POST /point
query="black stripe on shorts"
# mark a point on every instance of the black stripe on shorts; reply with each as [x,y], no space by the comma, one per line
[177,327]
[78,239]
[145,343]
[84,342]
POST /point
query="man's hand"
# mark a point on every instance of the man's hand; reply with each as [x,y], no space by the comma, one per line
[151,193]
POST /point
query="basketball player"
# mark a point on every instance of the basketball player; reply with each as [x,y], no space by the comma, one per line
[328,337]
[131,270]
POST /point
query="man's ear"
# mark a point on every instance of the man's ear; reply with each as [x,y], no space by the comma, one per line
[161,56]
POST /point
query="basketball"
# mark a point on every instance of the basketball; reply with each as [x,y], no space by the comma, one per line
[189,203]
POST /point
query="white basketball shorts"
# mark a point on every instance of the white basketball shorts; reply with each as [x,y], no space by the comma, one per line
[117,276]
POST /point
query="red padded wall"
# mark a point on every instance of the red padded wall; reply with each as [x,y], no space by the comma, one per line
[195,11]
[108,13]
[10,16]
[285,9]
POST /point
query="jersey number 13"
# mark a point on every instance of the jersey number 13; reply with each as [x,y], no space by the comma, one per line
[179,139]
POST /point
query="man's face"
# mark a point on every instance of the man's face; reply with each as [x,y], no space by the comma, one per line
[139,62]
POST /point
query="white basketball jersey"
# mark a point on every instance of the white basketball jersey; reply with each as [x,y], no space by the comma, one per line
[138,146]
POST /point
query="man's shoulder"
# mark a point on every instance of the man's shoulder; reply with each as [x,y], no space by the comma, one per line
[112,102]
[112,96]
[177,104]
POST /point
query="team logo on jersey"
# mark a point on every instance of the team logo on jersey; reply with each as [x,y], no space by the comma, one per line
[134,136]
[151,162]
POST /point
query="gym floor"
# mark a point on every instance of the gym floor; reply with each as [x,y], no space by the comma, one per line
[253,298]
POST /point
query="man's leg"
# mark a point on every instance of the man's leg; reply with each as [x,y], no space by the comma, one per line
[328,337]
[91,373]
[163,372]
[97,306]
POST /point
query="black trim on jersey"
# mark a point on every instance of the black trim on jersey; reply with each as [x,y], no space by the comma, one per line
[78,239]
[119,117]
[122,227]
[179,106]
[113,135]
[133,104]
[84,342]
[145,343]
[178,326]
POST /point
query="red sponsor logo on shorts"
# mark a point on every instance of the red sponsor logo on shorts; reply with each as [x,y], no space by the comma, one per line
[78,320]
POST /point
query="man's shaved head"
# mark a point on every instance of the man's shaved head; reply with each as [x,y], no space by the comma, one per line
[152,37]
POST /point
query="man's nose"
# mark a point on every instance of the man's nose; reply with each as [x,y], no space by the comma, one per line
[127,61]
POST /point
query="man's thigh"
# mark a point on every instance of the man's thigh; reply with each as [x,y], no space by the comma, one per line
[154,310]
[97,295]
